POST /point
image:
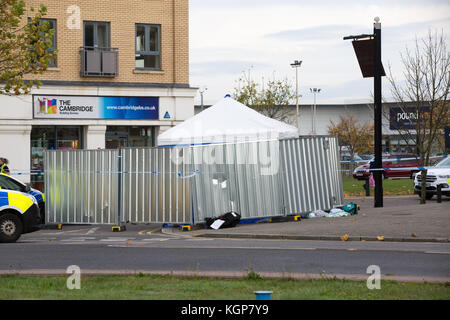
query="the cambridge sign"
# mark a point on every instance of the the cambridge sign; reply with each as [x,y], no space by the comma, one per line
[94,107]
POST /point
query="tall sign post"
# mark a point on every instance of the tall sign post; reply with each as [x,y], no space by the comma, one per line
[368,52]
[378,175]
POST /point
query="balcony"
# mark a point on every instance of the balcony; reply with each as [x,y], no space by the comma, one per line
[99,62]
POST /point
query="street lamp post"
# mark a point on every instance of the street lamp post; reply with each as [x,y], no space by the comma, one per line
[368,51]
[378,177]
[296,64]
[314,111]
[202,90]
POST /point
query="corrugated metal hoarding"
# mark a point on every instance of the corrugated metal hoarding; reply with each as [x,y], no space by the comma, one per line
[310,174]
[153,185]
[189,184]
[241,177]
[81,186]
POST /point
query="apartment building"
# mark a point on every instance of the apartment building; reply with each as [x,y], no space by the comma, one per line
[120,78]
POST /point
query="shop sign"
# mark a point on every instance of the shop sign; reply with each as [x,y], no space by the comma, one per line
[404,118]
[94,107]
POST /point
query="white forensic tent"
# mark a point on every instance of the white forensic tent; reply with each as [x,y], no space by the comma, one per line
[227,121]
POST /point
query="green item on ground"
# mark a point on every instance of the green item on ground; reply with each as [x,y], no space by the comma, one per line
[351,208]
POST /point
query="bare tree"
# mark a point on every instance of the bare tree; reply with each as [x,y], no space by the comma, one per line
[272,100]
[425,88]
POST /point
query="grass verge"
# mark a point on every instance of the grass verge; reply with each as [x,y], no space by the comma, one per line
[354,188]
[168,287]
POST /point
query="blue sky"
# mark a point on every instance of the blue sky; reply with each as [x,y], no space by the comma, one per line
[263,37]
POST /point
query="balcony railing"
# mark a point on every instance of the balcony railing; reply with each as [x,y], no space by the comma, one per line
[99,62]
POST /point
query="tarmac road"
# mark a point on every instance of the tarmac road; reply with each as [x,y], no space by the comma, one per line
[146,250]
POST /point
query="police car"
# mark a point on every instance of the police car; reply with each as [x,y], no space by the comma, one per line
[19,208]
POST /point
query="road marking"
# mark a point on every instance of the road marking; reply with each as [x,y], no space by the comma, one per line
[36,240]
[438,252]
[78,239]
[192,246]
[58,232]
[71,231]
[93,230]
[148,232]
[156,239]
[117,239]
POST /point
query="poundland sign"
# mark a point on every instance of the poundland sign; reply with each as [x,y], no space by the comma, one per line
[404,118]
[94,107]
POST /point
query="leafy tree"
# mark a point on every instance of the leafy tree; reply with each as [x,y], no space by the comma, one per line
[24,46]
[272,99]
[351,133]
[426,87]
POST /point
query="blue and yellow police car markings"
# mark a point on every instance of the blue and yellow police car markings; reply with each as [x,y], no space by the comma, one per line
[15,200]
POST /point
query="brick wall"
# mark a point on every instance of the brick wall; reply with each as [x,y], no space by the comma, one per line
[172,15]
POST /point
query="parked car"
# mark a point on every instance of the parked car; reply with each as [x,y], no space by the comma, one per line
[392,161]
[9,183]
[437,175]
[347,157]
[367,157]
[19,212]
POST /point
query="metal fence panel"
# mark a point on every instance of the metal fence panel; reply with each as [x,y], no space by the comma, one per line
[239,177]
[211,185]
[310,174]
[154,186]
[189,184]
[81,186]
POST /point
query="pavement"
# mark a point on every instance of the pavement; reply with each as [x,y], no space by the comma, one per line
[401,219]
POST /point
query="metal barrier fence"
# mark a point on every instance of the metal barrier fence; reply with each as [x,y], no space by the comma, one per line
[241,177]
[152,187]
[81,186]
[188,184]
[311,174]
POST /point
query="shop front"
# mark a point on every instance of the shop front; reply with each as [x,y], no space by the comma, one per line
[51,138]
[87,122]
[129,136]
[63,117]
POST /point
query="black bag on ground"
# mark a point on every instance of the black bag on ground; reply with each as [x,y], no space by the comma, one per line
[231,220]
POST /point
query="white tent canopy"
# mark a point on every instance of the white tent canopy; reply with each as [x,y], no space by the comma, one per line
[228,121]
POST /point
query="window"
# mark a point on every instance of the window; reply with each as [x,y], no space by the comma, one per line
[148,46]
[51,137]
[52,26]
[52,22]
[121,136]
[10,184]
[96,34]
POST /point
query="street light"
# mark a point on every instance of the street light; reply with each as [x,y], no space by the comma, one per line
[368,52]
[202,90]
[297,65]
[314,110]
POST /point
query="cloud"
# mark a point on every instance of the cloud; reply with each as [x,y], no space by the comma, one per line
[223,67]
[227,37]
[256,3]
[326,33]
[319,33]
[410,30]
